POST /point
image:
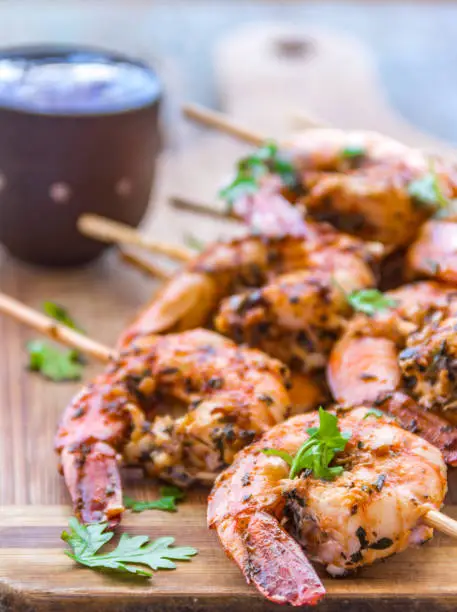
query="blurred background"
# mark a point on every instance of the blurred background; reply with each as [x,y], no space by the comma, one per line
[408,48]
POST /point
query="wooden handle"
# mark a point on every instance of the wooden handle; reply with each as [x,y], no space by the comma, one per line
[111,231]
[34,319]
[441,522]
[223,123]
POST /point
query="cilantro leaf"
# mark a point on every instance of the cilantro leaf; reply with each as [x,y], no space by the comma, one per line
[167,502]
[267,159]
[319,449]
[54,363]
[131,551]
[60,314]
[352,151]
[370,301]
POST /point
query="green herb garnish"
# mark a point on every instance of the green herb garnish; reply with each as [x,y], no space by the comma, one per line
[352,151]
[194,243]
[427,190]
[265,160]
[167,501]
[318,451]
[54,363]
[370,301]
[374,412]
[131,551]
[60,314]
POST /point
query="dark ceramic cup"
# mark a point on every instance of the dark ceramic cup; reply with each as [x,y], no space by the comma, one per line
[73,142]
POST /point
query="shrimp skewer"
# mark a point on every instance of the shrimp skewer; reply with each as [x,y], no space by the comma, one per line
[289,293]
[267,521]
[44,324]
[361,181]
[409,347]
[232,395]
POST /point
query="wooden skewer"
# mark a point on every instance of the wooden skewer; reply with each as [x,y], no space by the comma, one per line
[441,522]
[181,203]
[308,121]
[144,265]
[110,231]
[34,319]
[221,122]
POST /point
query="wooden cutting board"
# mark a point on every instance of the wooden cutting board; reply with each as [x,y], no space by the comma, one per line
[35,575]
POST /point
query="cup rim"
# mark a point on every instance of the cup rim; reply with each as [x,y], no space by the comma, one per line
[49,50]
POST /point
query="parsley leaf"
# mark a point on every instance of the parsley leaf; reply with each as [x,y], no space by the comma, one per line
[131,551]
[194,243]
[54,363]
[370,301]
[60,314]
[352,151]
[167,501]
[426,190]
[318,451]
[374,412]
[265,160]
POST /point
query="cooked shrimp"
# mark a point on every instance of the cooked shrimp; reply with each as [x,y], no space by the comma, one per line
[297,317]
[269,523]
[232,394]
[305,309]
[434,252]
[360,182]
[411,347]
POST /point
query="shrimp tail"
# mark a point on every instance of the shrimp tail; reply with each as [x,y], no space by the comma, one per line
[256,542]
[430,426]
[184,303]
[94,482]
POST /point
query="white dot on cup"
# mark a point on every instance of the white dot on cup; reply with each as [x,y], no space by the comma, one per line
[60,192]
[123,187]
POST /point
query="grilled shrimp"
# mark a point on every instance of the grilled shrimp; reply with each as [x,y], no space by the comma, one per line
[410,347]
[232,395]
[434,252]
[271,524]
[309,320]
[297,317]
[361,183]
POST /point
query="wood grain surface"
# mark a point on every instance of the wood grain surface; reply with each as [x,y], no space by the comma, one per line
[35,575]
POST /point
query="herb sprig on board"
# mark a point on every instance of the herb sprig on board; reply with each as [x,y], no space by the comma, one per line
[131,555]
[318,451]
[169,496]
[55,363]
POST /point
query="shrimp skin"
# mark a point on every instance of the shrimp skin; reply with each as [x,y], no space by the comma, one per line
[374,508]
[230,395]
[284,294]
[434,252]
[367,194]
[256,542]
[408,348]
